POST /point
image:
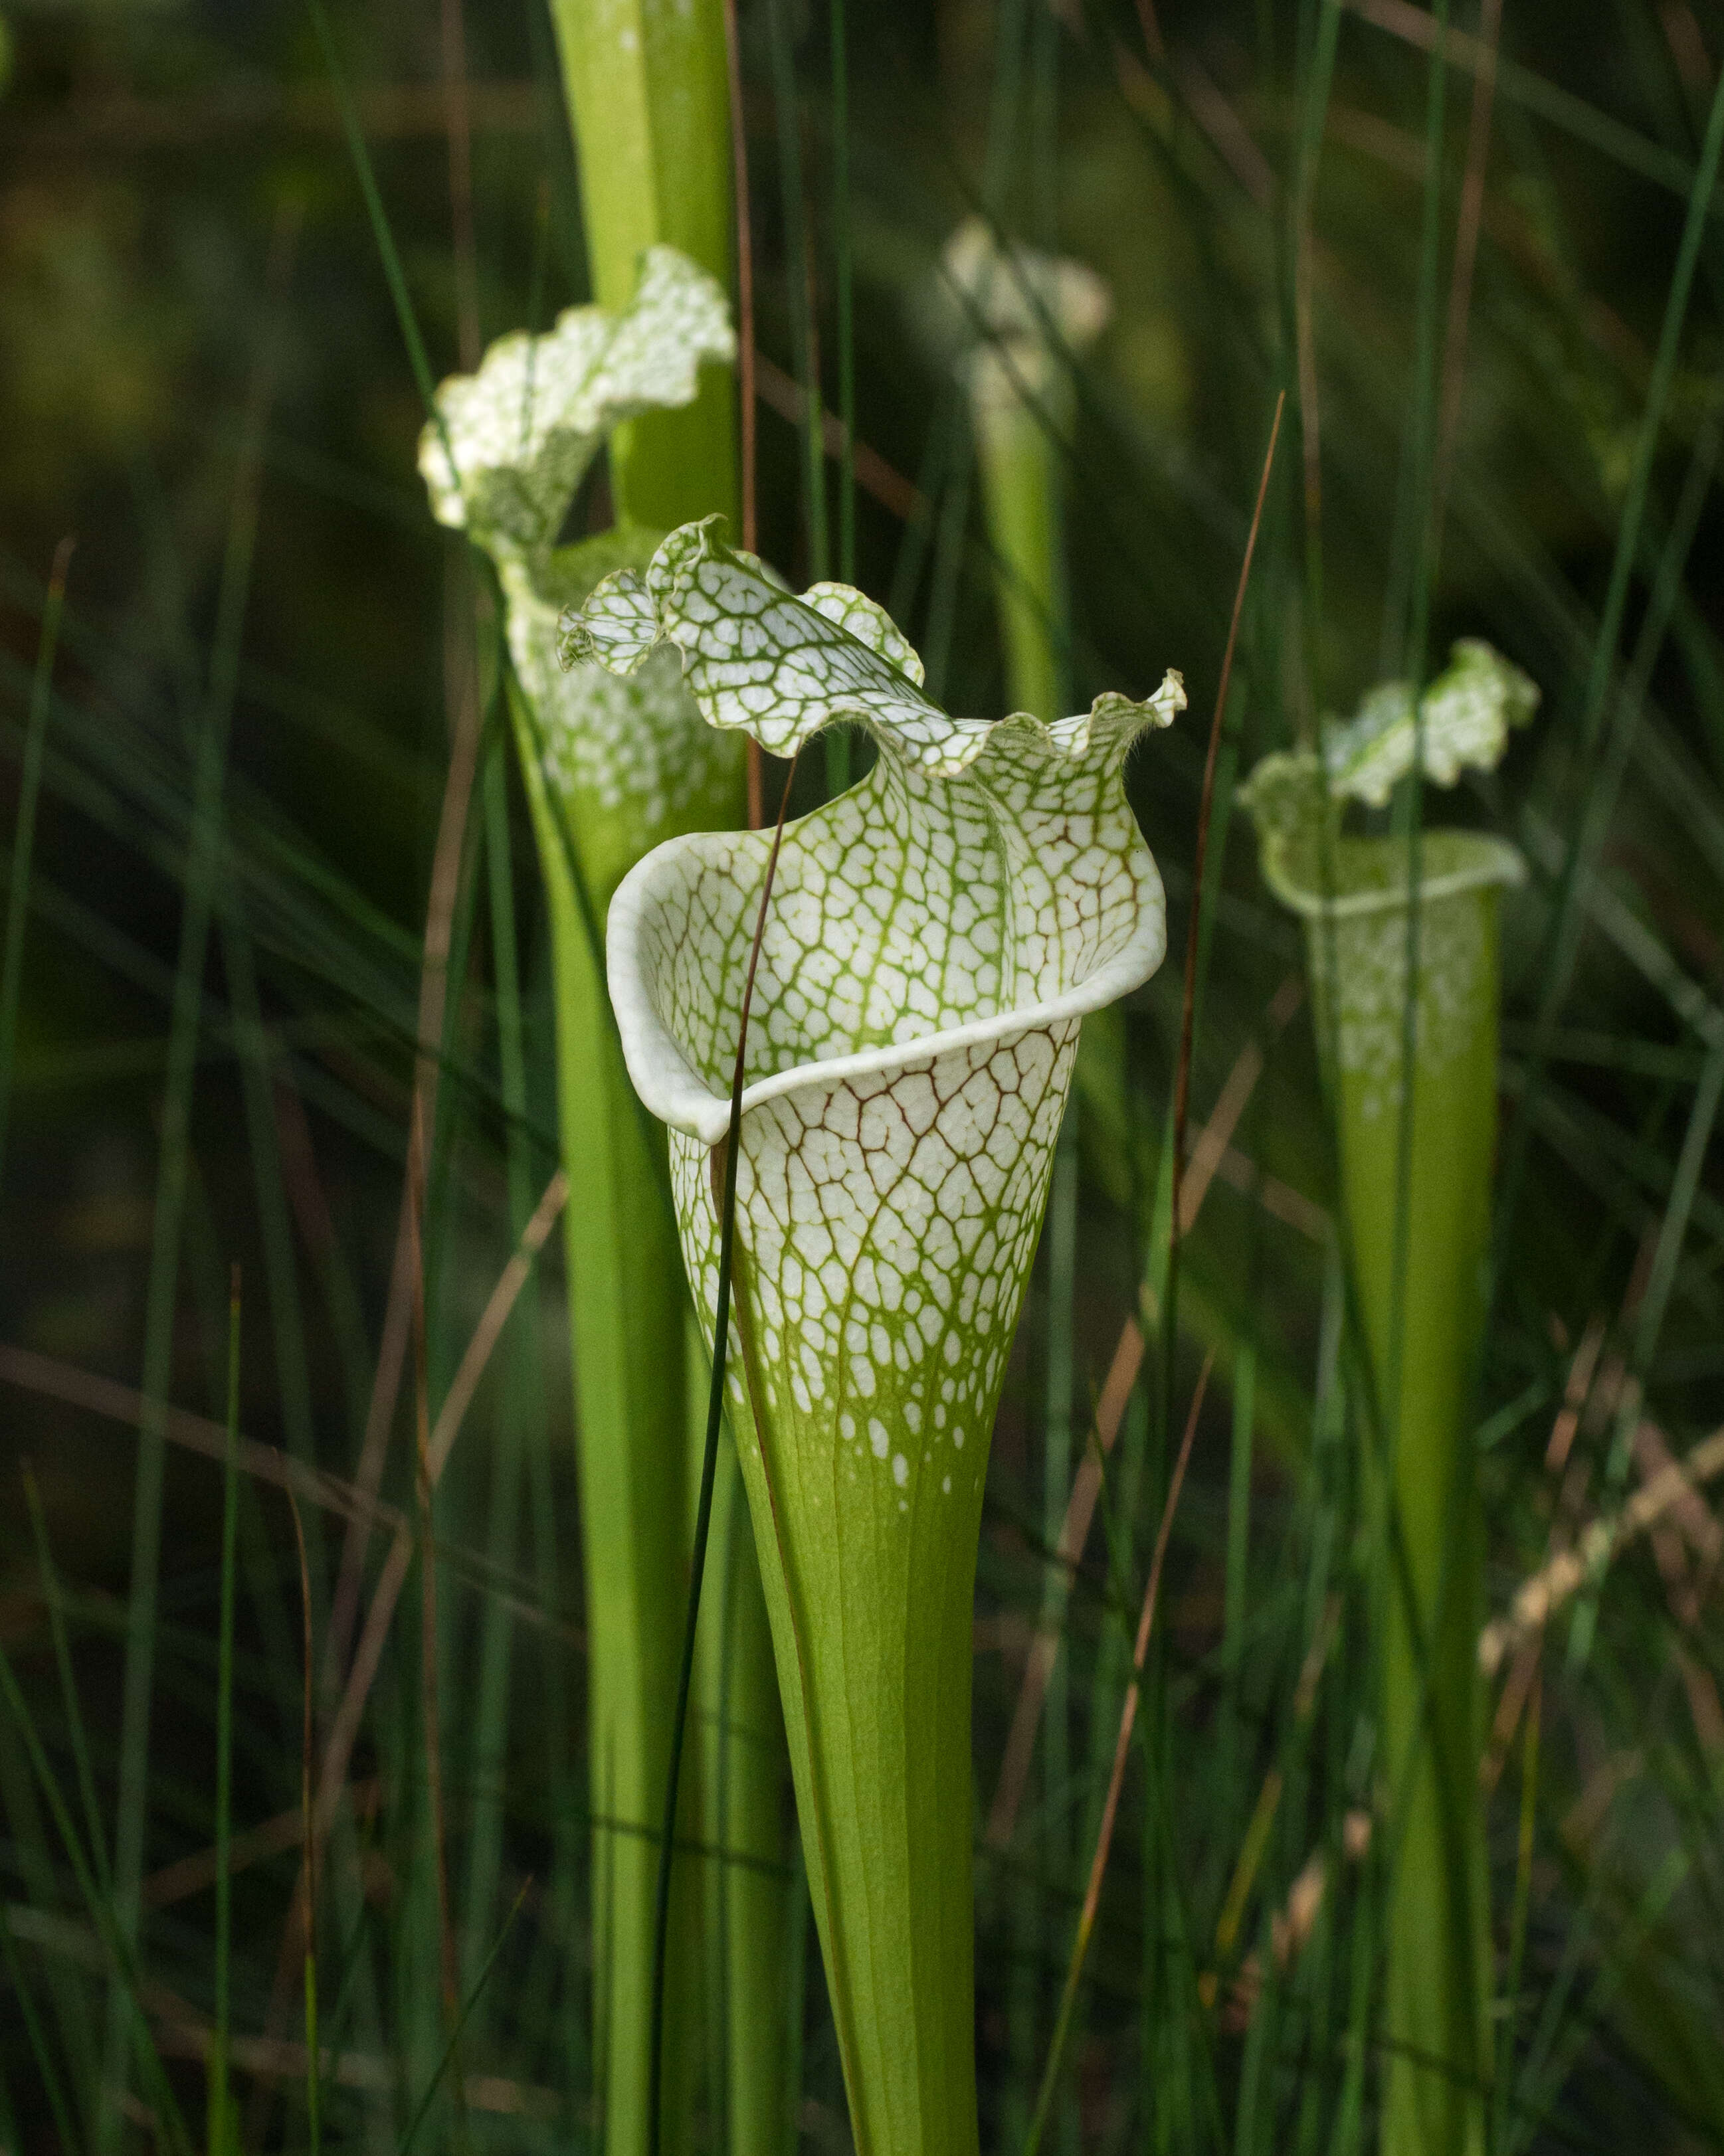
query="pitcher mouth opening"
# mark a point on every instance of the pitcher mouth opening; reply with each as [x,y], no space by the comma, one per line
[1451,862]
[669,1084]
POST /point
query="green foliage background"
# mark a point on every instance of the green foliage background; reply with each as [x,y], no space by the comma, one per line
[154,163]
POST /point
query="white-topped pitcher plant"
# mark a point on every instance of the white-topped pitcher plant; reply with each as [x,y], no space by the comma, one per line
[611,768]
[1401,941]
[933,938]
[1017,319]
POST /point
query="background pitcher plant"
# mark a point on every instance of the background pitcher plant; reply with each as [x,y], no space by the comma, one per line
[611,766]
[935,936]
[1402,940]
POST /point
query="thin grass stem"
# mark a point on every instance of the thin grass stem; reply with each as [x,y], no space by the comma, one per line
[1058,1852]
[208,781]
[221,2123]
[799,280]
[1237,1587]
[53,1594]
[1562,938]
[308,1920]
[844,281]
[459,131]
[24,841]
[451,2048]
[520,1402]
[52,2086]
[170,2120]
[703,1506]
[1122,1747]
[1203,899]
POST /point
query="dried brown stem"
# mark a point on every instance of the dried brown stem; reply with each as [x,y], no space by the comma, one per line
[874,475]
[194,1433]
[308,1870]
[1466,252]
[1538,1598]
[1140,1648]
[458,125]
[343,1729]
[191,1875]
[430,1687]
[1182,1079]
[1122,1752]
[434,990]
[389,112]
[495,1314]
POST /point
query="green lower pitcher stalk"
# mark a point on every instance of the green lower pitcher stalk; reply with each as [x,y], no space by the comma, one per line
[649,98]
[1401,946]
[647,84]
[626,1301]
[1021,471]
[1420,1299]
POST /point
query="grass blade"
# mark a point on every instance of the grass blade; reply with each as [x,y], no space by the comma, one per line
[467,2004]
[170,2122]
[221,2129]
[24,832]
[209,782]
[69,2138]
[1110,1812]
[703,1509]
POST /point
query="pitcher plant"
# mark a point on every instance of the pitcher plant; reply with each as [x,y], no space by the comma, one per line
[935,936]
[1401,935]
[611,768]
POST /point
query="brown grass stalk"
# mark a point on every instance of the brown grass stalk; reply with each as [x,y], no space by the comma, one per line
[1122,1749]
[397,1317]
[1182,1079]
[1466,252]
